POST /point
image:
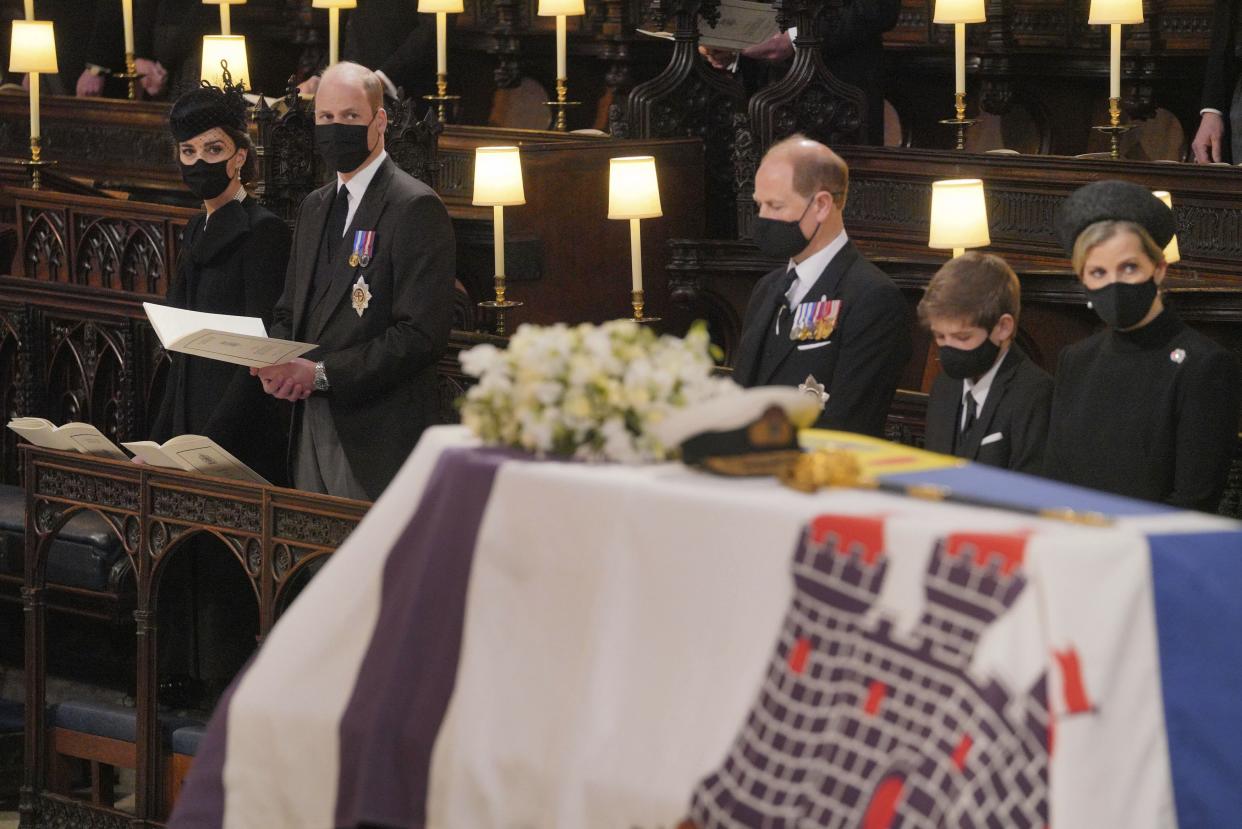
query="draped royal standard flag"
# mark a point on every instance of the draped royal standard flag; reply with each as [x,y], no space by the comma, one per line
[513,643]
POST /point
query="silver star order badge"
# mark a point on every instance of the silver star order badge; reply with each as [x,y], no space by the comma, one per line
[1178,355]
[816,390]
[360,295]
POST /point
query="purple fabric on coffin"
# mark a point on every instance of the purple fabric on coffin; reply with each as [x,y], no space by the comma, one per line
[389,727]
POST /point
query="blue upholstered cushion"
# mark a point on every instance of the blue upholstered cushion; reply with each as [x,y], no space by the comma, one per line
[111,721]
[185,740]
[83,554]
[12,717]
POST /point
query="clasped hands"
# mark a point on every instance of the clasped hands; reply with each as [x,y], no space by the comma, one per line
[776,48]
[292,381]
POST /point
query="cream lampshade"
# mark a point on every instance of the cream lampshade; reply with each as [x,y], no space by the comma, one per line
[959,11]
[32,50]
[633,191]
[498,177]
[634,194]
[230,49]
[334,24]
[1171,252]
[1115,11]
[959,215]
[225,23]
[33,47]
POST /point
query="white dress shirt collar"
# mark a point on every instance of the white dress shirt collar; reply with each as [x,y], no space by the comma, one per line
[358,184]
[812,268]
[979,388]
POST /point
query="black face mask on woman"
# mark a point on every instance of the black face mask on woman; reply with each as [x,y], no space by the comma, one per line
[343,147]
[207,179]
[963,363]
[781,240]
[1123,304]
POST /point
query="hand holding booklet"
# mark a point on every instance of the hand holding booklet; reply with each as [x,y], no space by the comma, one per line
[194,453]
[72,437]
[239,340]
[742,23]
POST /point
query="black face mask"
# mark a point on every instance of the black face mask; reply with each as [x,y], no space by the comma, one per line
[963,363]
[781,240]
[207,179]
[1123,304]
[343,147]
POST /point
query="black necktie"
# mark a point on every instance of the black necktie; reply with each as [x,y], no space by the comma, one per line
[781,303]
[336,219]
[972,410]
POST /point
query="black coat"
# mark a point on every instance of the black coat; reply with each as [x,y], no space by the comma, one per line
[859,365]
[1151,414]
[381,365]
[852,46]
[1013,421]
[392,37]
[1221,74]
[234,266]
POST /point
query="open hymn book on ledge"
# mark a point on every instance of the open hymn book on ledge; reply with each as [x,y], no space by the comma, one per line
[191,453]
[742,23]
[239,340]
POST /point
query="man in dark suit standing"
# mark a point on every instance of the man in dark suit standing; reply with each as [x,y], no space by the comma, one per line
[829,317]
[370,281]
[990,403]
[1222,96]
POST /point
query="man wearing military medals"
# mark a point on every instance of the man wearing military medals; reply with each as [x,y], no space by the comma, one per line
[827,321]
[370,281]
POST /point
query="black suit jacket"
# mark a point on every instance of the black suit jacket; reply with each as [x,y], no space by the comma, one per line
[1221,74]
[234,266]
[859,365]
[392,37]
[1016,409]
[381,365]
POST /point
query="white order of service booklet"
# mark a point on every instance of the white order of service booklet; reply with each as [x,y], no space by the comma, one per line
[71,437]
[239,340]
[194,453]
[742,23]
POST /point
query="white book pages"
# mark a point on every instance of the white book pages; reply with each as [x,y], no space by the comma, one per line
[71,437]
[195,453]
[742,23]
[231,339]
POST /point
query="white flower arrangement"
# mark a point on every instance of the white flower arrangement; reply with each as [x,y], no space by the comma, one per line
[591,392]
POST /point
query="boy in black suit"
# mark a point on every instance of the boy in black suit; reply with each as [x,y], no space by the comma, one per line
[990,403]
[828,318]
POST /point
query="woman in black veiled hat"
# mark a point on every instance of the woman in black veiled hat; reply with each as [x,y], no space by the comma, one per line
[232,261]
[1148,407]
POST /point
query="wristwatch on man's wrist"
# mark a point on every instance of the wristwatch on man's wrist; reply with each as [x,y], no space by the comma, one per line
[321,377]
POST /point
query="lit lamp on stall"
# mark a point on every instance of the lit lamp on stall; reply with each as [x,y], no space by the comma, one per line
[32,51]
[498,183]
[441,9]
[959,216]
[959,13]
[225,24]
[1115,13]
[634,194]
[224,59]
[131,69]
[334,24]
[561,9]
[1172,254]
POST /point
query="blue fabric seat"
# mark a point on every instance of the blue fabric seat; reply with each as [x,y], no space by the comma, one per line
[114,722]
[185,740]
[12,717]
[85,554]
